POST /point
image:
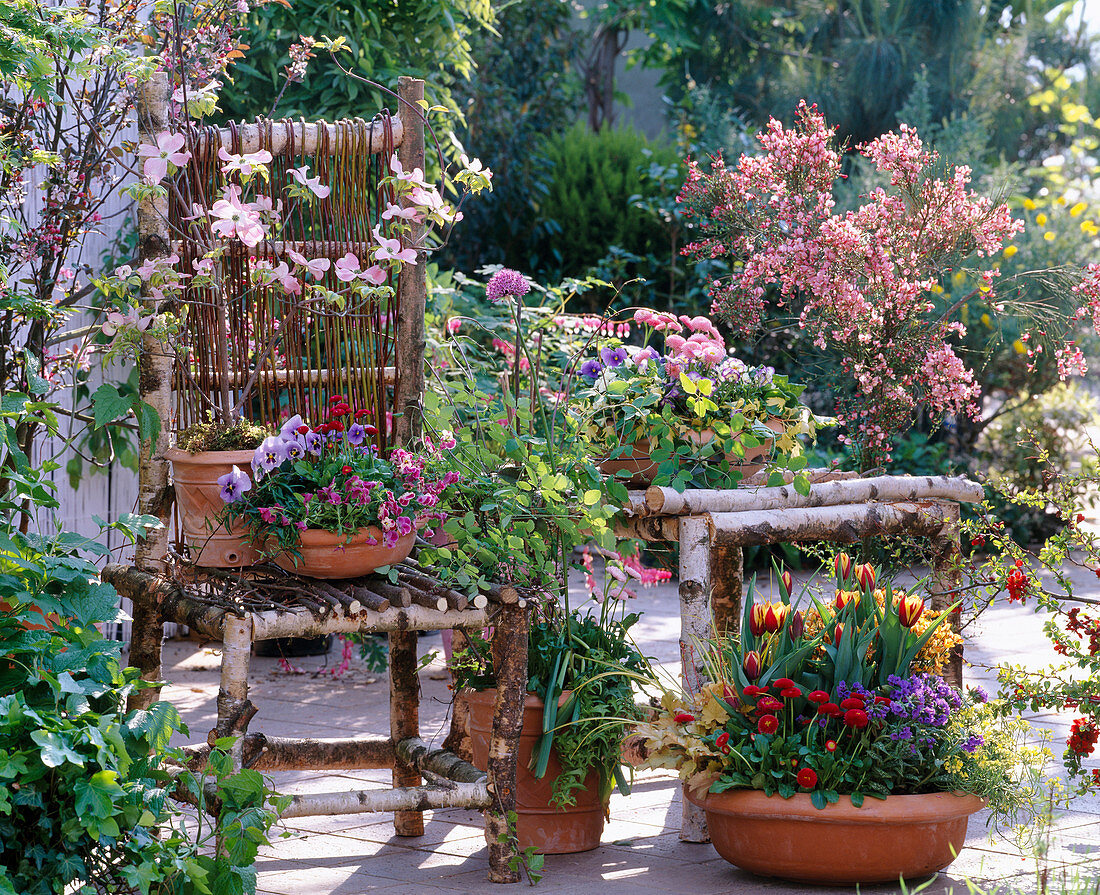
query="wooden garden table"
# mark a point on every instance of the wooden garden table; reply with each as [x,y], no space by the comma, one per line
[712,526]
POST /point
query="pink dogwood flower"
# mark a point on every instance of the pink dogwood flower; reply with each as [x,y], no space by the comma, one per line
[390,249]
[166,152]
[232,218]
[313,184]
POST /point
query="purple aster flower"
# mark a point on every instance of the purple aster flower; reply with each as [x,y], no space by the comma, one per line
[506,282]
[591,370]
[233,485]
[614,357]
[356,434]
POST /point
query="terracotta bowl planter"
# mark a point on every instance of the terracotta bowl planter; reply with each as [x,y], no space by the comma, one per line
[325,554]
[212,541]
[551,830]
[903,836]
[643,470]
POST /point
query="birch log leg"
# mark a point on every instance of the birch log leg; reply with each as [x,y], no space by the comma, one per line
[146,634]
[234,708]
[404,722]
[695,628]
[458,739]
[510,662]
[726,575]
[946,578]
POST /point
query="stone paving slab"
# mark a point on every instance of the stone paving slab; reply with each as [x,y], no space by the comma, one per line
[640,854]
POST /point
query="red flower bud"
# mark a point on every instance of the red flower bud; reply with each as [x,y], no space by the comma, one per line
[788,582]
[723,742]
[796,626]
[910,608]
[818,696]
[843,597]
[852,702]
[838,633]
[683,718]
[783,683]
[751,665]
[807,778]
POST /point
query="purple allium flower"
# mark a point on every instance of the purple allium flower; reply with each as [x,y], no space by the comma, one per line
[356,434]
[591,370]
[614,357]
[233,485]
[506,282]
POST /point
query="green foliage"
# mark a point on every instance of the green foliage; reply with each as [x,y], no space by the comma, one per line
[595,180]
[524,87]
[429,39]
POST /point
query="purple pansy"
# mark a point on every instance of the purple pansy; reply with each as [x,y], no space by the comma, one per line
[269,455]
[591,370]
[233,485]
[356,434]
[290,428]
[614,357]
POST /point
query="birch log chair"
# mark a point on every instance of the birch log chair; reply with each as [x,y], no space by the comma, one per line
[241,608]
[711,527]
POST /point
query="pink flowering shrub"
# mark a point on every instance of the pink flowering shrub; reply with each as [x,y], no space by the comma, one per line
[863,282]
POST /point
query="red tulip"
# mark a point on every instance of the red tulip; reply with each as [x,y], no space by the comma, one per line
[842,566]
[774,616]
[751,665]
[788,582]
[844,597]
[910,609]
[756,619]
[865,575]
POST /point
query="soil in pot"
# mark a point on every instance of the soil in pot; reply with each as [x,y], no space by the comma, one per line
[326,554]
[910,836]
[549,829]
[211,541]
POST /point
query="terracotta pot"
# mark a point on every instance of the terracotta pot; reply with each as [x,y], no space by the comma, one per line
[551,830]
[643,470]
[903,836]
[325,554]
[212,541]
[49,622]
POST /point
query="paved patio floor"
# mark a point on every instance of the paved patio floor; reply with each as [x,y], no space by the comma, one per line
[640,852]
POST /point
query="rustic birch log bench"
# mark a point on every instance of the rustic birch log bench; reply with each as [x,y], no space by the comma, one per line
[711,527]
[256,350]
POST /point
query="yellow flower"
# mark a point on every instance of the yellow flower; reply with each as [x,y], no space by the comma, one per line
[987,321]
[1020,347]
[1048,236]
[1089,228]
[1061,200]
[958,278]
[1077,209]
[1041,219]
[1010,251]
[938,289]
[1029,205]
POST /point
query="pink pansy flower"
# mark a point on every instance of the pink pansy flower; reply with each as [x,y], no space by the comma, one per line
[233,218]
[347,268]
[390,249]
[159,157]
[318,267]
[245,163]
[312,183]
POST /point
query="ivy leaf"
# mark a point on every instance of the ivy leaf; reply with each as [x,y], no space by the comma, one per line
[108,405]
[36,385]
[802,484]
[54,750]
[591,497]
[148,422]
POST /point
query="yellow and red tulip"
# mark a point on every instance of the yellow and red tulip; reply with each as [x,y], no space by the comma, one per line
[910,608]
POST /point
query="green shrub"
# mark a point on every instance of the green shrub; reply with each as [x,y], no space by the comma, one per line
[595,180]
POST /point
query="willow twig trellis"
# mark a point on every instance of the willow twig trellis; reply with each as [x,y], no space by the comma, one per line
[712,526]
[250,350]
